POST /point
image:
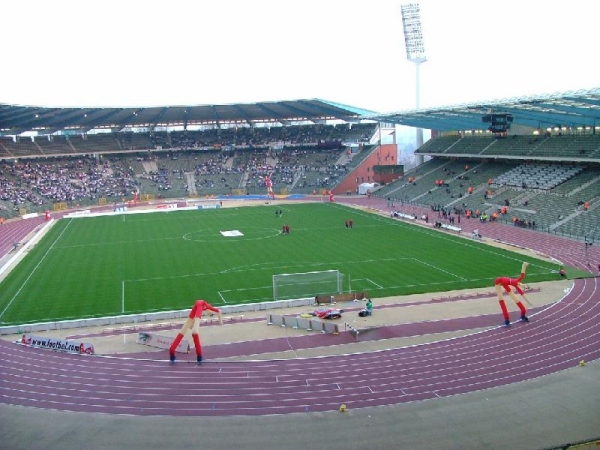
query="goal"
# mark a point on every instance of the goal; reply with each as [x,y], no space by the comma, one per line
[306,284]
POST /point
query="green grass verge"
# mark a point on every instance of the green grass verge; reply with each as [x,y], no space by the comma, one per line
[135,263]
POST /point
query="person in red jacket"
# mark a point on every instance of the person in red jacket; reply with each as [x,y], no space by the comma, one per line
[508,284]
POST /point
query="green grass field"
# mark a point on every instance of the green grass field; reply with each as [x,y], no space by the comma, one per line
[134,263]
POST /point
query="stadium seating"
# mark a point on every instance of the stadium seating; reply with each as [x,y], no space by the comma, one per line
[538,176]
[511,146]
[303,160]
[554,204]
[438,145]
[554,146]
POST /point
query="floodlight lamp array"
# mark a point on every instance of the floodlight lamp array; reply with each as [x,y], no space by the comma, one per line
[413,33]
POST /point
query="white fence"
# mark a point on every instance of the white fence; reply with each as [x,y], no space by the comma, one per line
[149,317]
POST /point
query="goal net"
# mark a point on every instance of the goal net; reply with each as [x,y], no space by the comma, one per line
[306,284]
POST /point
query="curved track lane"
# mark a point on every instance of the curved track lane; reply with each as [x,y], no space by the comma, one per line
[555,339]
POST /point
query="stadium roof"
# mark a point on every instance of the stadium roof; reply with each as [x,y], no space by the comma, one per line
[16,119]
[568,109]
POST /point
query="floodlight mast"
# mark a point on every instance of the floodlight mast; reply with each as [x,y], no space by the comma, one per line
[415,53]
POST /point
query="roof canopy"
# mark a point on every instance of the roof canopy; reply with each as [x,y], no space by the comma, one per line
[15,119]
[568,109]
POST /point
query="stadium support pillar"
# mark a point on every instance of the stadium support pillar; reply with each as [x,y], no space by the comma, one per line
[419,159]
[419,143]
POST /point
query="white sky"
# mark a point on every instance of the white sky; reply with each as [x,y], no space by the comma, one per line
[149,53]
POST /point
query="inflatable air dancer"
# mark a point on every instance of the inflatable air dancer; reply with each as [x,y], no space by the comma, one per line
[193,321]
[269,185]
[508,284]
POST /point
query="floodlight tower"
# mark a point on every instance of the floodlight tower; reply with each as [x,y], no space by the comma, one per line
[415,53]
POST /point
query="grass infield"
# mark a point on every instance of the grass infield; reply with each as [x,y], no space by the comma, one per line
[135,263]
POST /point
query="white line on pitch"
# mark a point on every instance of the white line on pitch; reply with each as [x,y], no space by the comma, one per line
[441,270]
[372,282]
[35,268]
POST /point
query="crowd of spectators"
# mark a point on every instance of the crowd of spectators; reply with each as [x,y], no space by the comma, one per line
[39,183]
[239,158]
[304,156]
[264,137]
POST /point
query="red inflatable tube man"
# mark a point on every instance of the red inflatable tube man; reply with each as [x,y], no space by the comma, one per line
[508,284]
[269,185]
[193,321]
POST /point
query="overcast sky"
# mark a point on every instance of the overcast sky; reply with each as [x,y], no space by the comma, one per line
[149,53]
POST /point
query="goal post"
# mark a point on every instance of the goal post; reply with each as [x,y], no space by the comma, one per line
[306,284]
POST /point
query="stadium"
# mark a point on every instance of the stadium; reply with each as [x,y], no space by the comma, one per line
[544,169]
[425,278]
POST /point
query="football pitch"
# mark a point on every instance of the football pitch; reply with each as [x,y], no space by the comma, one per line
[138,263]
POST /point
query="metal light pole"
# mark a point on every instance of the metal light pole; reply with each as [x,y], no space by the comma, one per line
[415,53]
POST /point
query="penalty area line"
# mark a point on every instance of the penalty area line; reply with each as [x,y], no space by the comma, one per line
[225,291]
[440,269]
[372,282]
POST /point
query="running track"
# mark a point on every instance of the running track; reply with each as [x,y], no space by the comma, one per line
[557,338]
